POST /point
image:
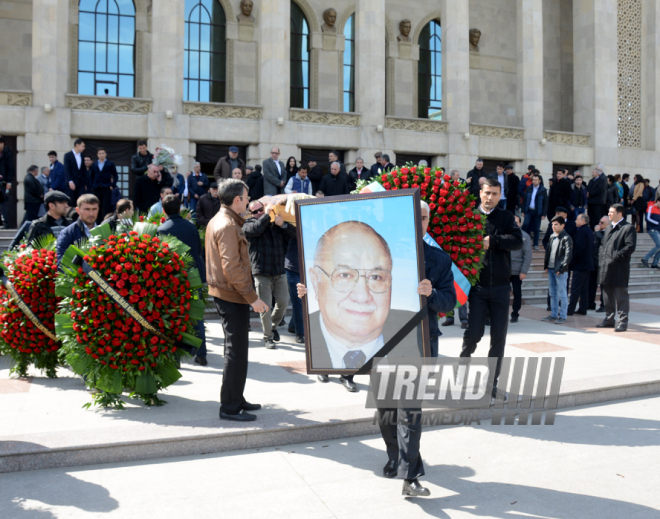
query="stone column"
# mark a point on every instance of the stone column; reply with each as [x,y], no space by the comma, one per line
[530,67]
[595,77]
[456,84]
[370,77]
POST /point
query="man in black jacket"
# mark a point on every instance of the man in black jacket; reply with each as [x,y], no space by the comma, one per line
[474,175]
[359,172]
[560,194]
[34,194]
[267,244]
[147,187]
[582,265]
[186,232]
[597,195]
[599,232]
[334,183]
[490,295]
[513,182]
[208,205]
[315,175]
[618,245]
[75,172]
[141,160]
[569,226]
[558,255]
[57,205]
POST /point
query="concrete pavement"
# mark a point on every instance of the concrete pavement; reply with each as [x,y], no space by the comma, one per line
[595,462]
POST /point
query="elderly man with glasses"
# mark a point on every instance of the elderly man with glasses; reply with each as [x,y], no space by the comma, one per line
[274,173]
[267,244]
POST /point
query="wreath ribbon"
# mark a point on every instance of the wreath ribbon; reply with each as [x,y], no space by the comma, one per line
[26,309]
[96,277]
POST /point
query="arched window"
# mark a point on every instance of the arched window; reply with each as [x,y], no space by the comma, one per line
[300,50]
[205,52]
[430,72]
[106,48]
[349,65]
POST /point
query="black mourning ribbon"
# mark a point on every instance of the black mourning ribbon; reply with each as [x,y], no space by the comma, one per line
[354,359]
[394,341]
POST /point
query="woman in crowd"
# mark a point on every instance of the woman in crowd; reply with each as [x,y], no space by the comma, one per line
[638,203]
[291,168]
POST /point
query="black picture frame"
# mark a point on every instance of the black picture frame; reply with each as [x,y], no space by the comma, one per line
[311,326]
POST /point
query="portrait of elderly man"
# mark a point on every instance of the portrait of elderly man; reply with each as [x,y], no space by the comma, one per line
[352,279]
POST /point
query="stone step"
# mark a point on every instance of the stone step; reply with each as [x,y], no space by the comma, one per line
[644,278]
[542,299]
[650,288]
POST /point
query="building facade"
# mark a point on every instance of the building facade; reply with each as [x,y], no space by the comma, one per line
[543,82]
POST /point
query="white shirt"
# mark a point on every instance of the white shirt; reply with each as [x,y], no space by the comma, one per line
[101,164]
[279,169]
[481,208]
[359,172]
[533,200]
[501,179]
[78,158]
[88,231]
[614,224]
[337,350]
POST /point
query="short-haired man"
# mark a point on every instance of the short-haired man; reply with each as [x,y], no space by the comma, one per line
[89,174]
[104,174]
[599,232]
[521,260]
[534,208]
[513,182]
[387,165]
[74,170]
[597,195]
[491,293]
[456,176]
[44,180]
[57,206]
[186,232]
[208,206]
[198,185]
[141,160]
[500,176]
[87,208]
[558,257]
[334,183]
[255,182]
[299,183]
[560,194]
[123,216]
[569,226]
[267,244]
[148,187]
[619,242]
[226,165]
[315,174]
[229,278]
[578,203]
[474,175]
[34,194]
[582,264]
[57,177]
[157,208]
[274,173]
[359,172]
[333,156]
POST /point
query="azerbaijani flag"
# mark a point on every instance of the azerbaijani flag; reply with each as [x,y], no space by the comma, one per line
[461,283]
[374,187]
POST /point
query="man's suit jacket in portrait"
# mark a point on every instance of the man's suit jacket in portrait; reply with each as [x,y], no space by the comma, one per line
[409,347]
[273,177]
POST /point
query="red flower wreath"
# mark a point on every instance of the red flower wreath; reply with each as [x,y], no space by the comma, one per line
[454,223]
[32,272]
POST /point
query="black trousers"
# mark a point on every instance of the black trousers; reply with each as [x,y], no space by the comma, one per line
[616,300]
[402,440]
[493,302]
[516,286]
[31,211]
[595,213]
[593,287]
[235,320]
[579,291]
[105,202]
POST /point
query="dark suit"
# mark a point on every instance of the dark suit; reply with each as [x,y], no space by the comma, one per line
[353,177]
[334,185]
[74,173]
[408,347]
[273,177]
[104,179]
[582,264]
[57,177]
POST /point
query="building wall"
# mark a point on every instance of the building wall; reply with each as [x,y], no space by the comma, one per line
[16,44]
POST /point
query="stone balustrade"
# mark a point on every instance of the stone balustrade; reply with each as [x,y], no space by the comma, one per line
[497,132]
[15,98]
[222,110]
[324,117]
[572,139]
[121,105]
[416,125]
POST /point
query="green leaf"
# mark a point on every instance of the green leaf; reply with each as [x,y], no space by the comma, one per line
[187,338]
[175,244]
[194,278]
[110,382]
[67,259]
[146,383]
[197,307]
[168,374]
[102,232]
[63,324]
[145,228]
[80,364]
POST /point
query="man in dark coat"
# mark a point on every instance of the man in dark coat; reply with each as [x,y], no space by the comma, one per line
[208,206]
[597,196]
[198,185]
[560,194]
[534,207]
[274,173]
[334,183]
[74,171]
[569,227]
[618,245]
[57,205]
[227,164]
[378,166]
[359,172]
[34,194]
[582,265]
[599,232]
[474,175]
[147,187]
[141,160]
[87,208]
[104,174]
[500,176]
[57,177]
[315,175]
[513,182]
[186,232]
[255,182]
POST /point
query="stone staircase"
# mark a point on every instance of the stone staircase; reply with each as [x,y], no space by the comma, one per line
[643,282]
[6,236]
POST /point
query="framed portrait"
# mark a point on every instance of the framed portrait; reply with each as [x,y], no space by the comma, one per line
[361,259]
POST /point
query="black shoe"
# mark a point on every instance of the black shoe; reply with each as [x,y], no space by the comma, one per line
[605,324]
[449,321]
[463,326]
[391,469]
[291,328]
[323,378]
[514,318]
[655,266]
[276,336]
[645,263]
[239,417]
[577,312]
[548,309]
[414,489]
[600,310]
[621,328]
[500,393]
[201,361]
[570,313]
[487,322]
[592,307]
[247,406]
[348,384]
[300,339]
[270,345]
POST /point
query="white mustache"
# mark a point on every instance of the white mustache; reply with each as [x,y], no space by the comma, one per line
[359,307]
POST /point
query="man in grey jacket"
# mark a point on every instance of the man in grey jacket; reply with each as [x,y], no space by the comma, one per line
[521,260]
[274,173]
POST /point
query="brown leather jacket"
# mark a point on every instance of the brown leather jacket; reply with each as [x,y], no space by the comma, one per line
[227,259]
